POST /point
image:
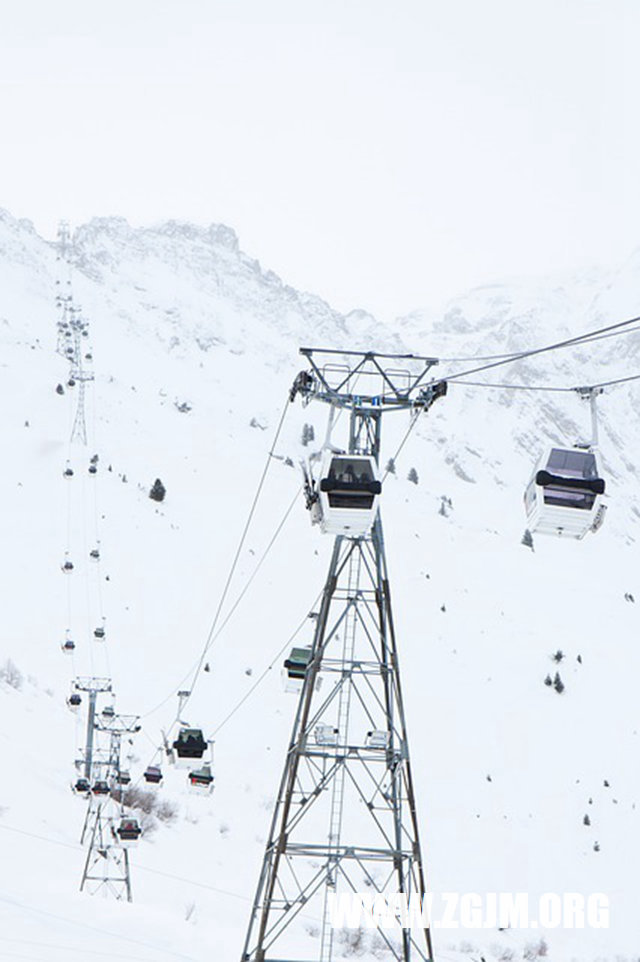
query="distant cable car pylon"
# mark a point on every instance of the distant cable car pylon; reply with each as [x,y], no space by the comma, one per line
[345,819]
[110,831]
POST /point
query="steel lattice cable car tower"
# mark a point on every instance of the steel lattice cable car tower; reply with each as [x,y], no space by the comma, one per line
[345,818]
[107,862]
[71,329]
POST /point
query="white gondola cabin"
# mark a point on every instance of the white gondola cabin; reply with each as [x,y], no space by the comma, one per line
[325,735]
[128,832]
[189,747]
[153,775]
[201,780]
[377,739]
[348,494]
[565,493]
[100,787]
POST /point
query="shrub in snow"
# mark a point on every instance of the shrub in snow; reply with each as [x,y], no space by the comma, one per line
[11,675]
[559,655]
[558,683]
[308,434]
[535,950]
[413,476]
[527,539]
[391,466]
[166,811]
[147,803]
[158,490]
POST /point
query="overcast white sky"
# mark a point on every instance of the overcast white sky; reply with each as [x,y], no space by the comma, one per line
[381,154]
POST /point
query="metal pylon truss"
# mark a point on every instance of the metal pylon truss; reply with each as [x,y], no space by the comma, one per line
[345,817]
[107,865]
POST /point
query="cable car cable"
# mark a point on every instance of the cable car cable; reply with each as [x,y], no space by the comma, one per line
[540,387]
[266,671]
[223,625]
[516,354]
[404,440]
[569,342]
[213,634]
[243,538]
[9,900]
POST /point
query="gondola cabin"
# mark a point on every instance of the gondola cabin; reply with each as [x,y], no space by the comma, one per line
[326,735]
[99,633]
[74,701]
[349,492]
[123,778]
[565,493]
[128,832]
[153,775]
[82,787]
[100,787]
[68,646]
[201,780]
[189,747]
[377,739]
[295,669]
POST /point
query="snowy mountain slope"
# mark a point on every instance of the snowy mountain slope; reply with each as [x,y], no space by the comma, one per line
[179,314]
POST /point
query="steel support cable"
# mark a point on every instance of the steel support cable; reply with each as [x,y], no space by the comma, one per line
[143,868]
[10,900]
[414,421]
[238,599]
[89,628]
[540,387]
[87,952]
[514,354]
[96,515]
[568,342]
[269,667]
[213,634]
